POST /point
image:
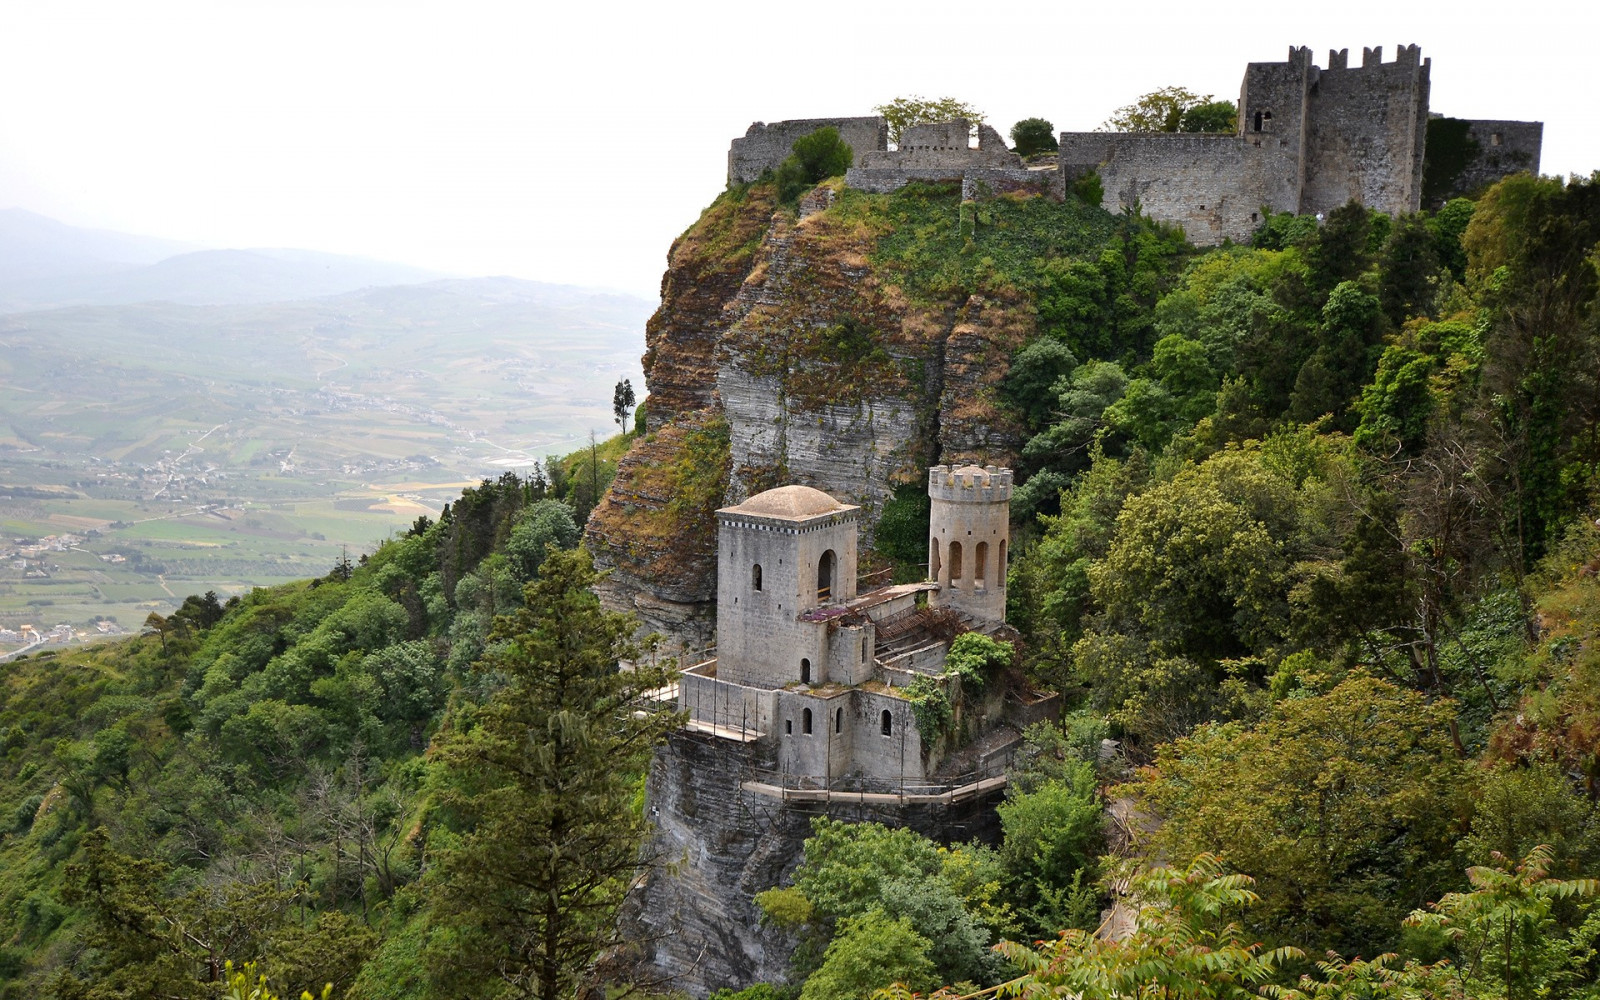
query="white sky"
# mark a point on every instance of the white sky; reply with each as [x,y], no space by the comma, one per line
[571,142]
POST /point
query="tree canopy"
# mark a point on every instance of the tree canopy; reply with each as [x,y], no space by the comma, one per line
[904,112]
[1173,109]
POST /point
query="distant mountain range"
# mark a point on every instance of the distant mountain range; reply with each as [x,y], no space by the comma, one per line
[45,264]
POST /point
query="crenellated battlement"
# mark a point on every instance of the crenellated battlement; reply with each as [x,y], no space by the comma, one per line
[969,484]
[1309,140]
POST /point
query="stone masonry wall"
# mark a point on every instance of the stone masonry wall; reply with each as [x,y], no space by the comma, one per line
[1273,119]
[1366,135]
[1504,148]
[1211,185]
[764,146]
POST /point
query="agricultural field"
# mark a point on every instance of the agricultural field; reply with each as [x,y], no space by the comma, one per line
[153,451]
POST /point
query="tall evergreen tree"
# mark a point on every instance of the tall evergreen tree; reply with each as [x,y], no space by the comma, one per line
[544,779]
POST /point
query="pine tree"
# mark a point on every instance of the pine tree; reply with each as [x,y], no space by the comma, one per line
[544,779]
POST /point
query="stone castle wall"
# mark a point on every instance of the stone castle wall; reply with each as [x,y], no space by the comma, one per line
[1211,185]
[1366,135]
[765,145]
[1309,140]
[1502,147]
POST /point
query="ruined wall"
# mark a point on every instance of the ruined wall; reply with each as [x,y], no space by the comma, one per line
[1211,185]
[943,152]
[1366,134]
[1490,149]
[764,146]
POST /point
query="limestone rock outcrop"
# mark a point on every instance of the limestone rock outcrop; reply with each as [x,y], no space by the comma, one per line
[819,368]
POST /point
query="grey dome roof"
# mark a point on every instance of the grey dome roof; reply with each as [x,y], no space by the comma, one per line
[790,501]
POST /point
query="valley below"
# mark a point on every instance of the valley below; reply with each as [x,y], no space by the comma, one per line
[154,450]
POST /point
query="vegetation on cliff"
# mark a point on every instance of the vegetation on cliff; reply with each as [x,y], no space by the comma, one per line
[1310,527]
[1307,537]
[303,777]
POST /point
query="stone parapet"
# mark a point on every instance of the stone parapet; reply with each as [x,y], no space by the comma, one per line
[969,484]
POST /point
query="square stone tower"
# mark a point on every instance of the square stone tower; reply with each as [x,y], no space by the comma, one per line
[781,554]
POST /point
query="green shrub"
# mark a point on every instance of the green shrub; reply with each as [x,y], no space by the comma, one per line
[931,706]
[1033,135]
[817,156]
[1089,189]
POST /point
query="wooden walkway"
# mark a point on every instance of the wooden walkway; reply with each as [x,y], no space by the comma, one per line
[962,793]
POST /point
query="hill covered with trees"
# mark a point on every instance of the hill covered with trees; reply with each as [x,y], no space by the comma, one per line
[1308,532]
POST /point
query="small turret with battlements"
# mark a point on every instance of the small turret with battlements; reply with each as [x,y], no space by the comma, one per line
[969,535]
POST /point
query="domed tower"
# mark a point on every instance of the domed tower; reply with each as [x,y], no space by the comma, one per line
[780,555]
[969,533]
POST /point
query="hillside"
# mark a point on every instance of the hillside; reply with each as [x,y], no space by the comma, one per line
[1306,537]
[33,247]
[241,445]
[45,264]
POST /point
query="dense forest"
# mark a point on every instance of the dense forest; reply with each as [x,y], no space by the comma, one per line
[1307,537]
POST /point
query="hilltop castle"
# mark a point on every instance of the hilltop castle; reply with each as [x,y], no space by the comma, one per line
[1309,139]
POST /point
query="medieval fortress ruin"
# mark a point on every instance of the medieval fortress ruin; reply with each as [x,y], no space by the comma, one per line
[1309,139]
[808,704]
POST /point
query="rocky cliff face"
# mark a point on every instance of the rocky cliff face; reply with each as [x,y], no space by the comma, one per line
[695,924]
[788,341]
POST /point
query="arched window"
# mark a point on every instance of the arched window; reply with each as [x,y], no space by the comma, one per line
[838,720]
[1000,563]
[805,670]
[755,577]
[1257,121]
[825,567]
[980,565]
[805,722]
[866,654]
[933,559]
[955,564]
[886,723]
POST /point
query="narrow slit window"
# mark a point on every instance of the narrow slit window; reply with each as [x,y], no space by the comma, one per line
[886,723]
[838,720]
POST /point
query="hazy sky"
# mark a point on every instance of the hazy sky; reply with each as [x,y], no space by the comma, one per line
[571,142]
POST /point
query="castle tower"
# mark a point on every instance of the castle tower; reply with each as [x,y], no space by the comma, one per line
[781,554]
[969,533]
